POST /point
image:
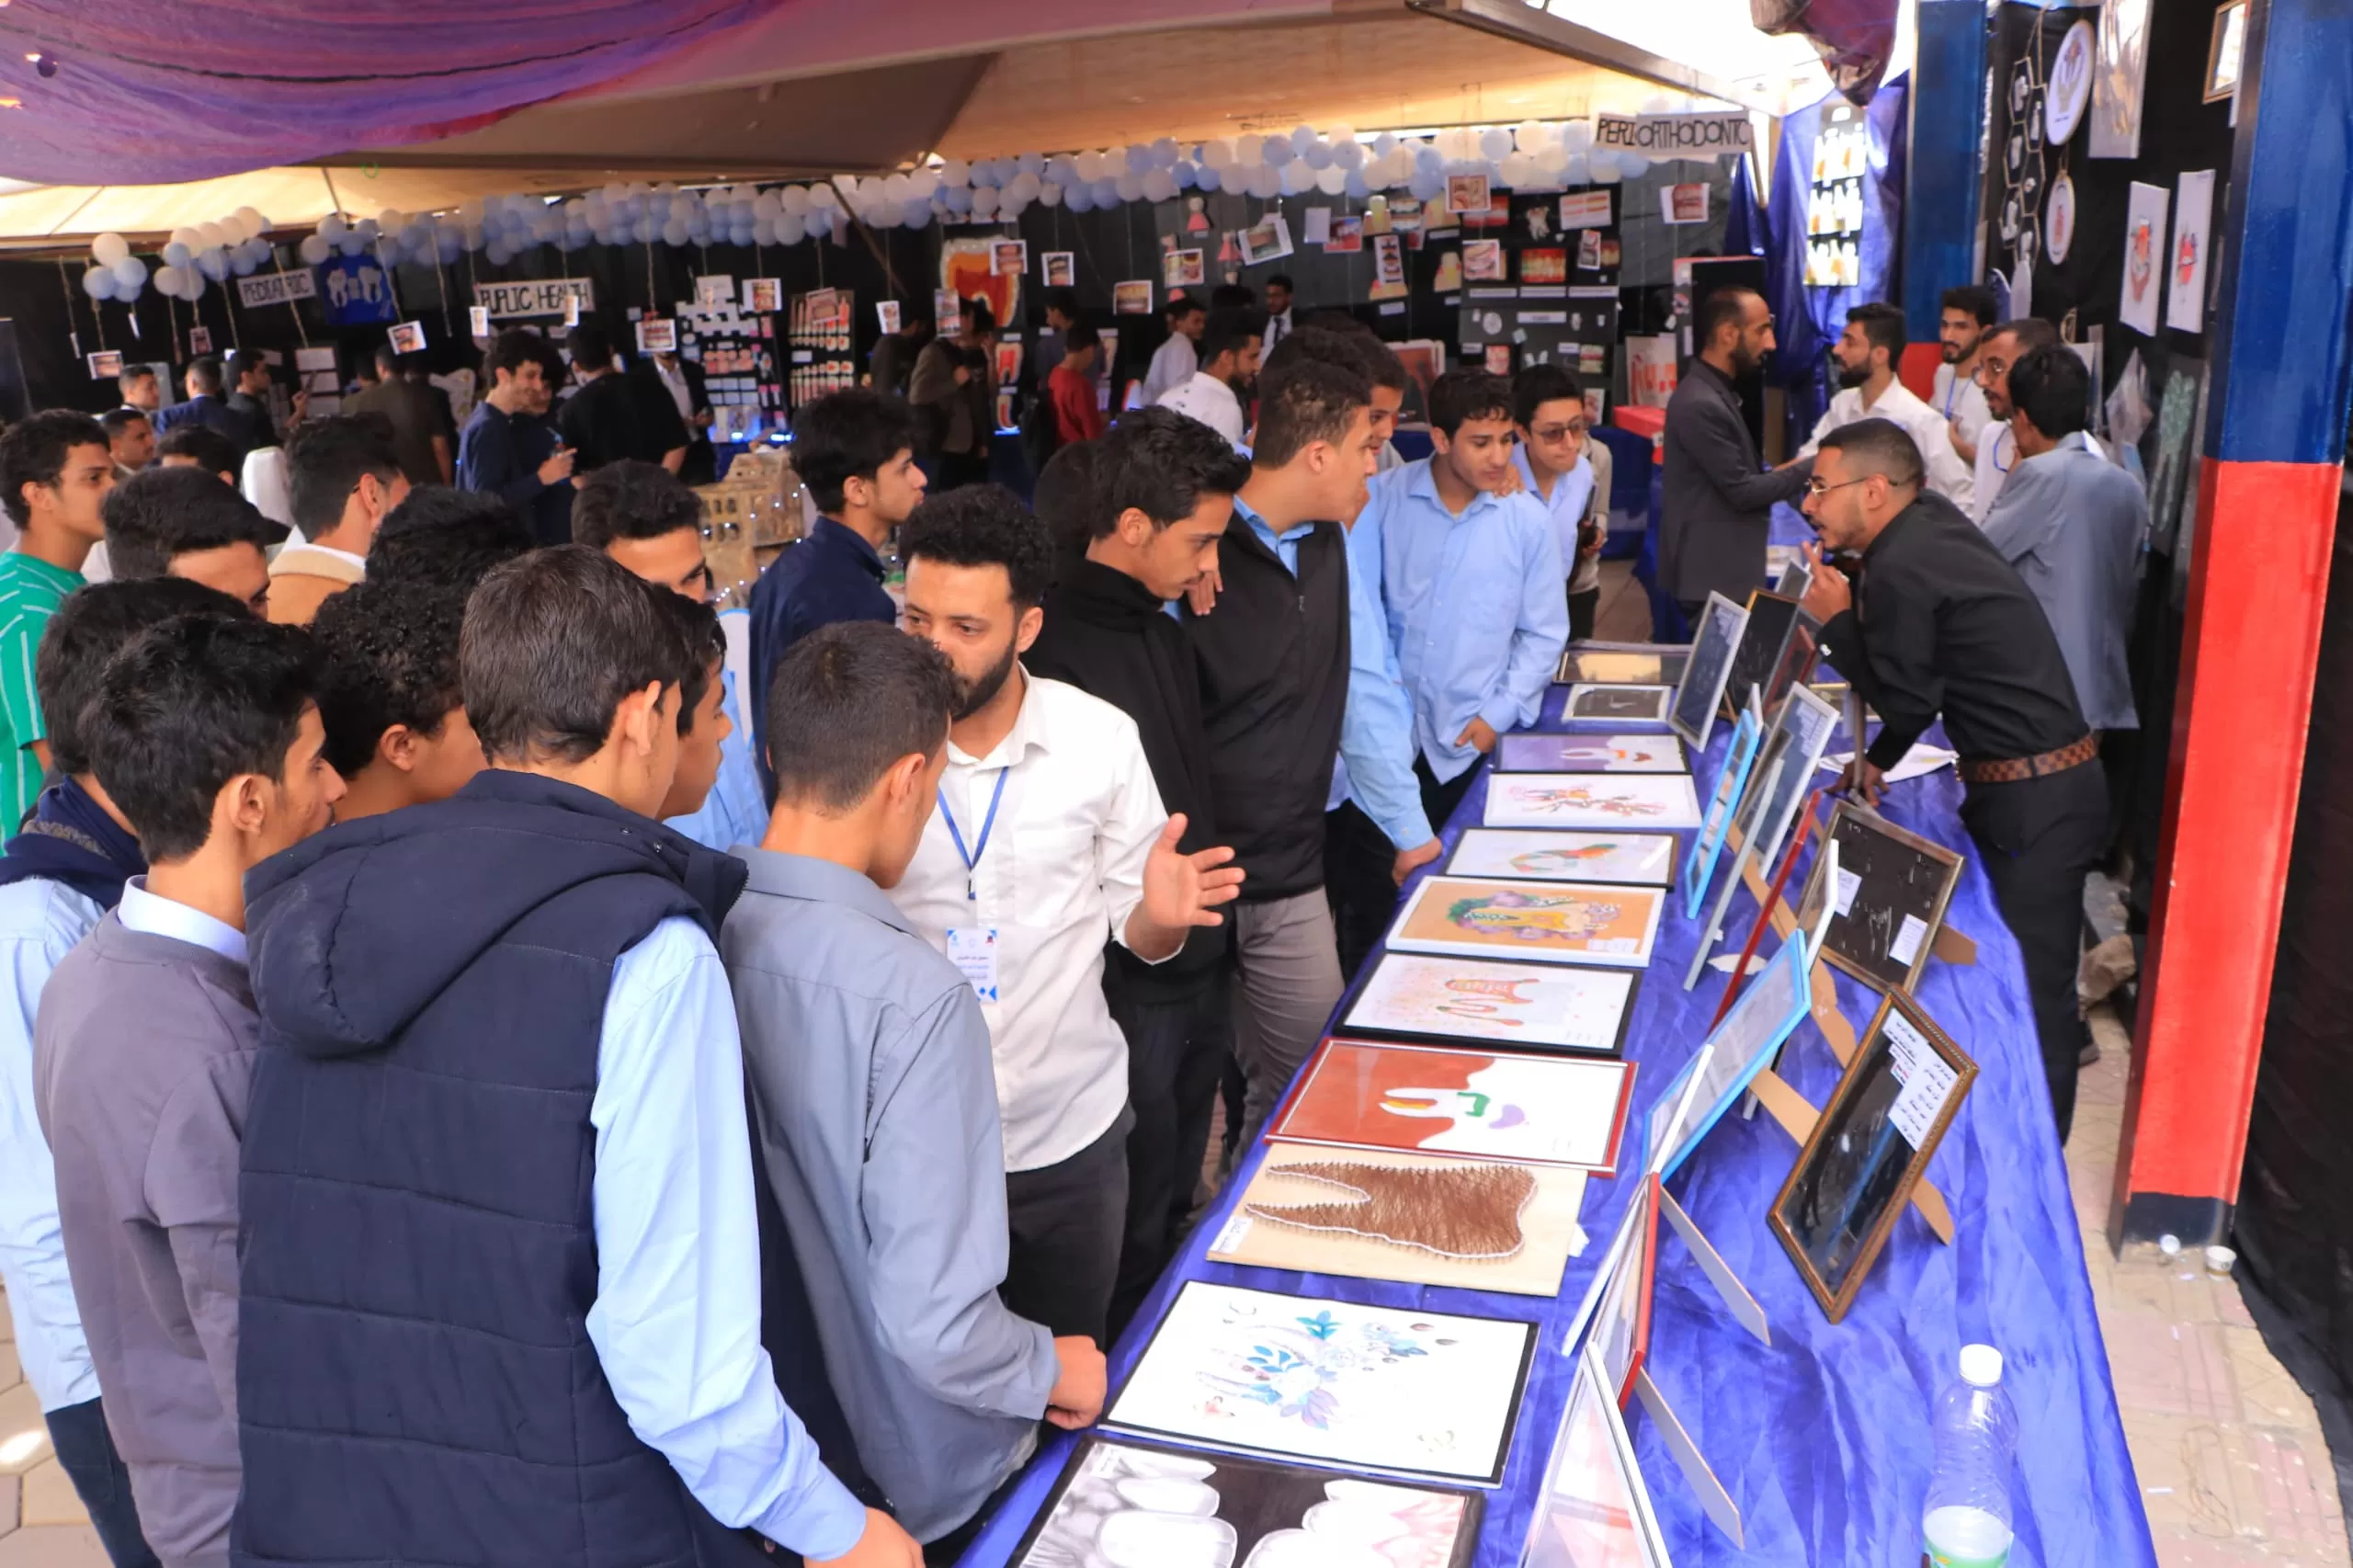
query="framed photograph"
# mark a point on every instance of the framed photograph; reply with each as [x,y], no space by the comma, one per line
[1700,865]
[947,312]
[1589,701]
[715,291]
[1599,664]
[1593,799]
[1892,887]
[1544,922]
[765,297]
[1123,1502]
[1585,209]
[1753,660]
[1132,298]
[1528,1007]
[1685,204]
[1546,265]
[1466,194]
[1771,1006]
[1388,267]
[1008,258]
[1182,268]
[1798,736]
[1721,622]
[2226,51]
[1548,856]
[1346,236]
[199,340]
[1365,1214]
[1497,359]
[1591,754]
[655,335]
[1868,1150]
[1062,269]
[104,365]
[1483,261]
[1414,1099]
[887,316]
[408,337]
[1331,1382]
[1798,653]
[1268,239]
[1594,1511]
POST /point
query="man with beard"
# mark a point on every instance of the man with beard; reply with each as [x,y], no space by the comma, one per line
[1968,317]
[1048,841]
[1227,374]
[1867,353]
[1716,500]
[1998,447]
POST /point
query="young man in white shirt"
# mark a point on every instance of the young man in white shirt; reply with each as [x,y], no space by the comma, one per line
[1177,358]
[1867,353]
[1968,317]
[1050,841]
[1229,372]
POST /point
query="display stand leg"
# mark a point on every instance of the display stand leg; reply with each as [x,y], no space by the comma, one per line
[1736,1299]
[1721,1511]
[1797,1116]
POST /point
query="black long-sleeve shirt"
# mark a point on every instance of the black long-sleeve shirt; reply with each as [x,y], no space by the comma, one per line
[1942,624]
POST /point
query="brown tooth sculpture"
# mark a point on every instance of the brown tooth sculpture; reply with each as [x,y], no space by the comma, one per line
[1467,1211]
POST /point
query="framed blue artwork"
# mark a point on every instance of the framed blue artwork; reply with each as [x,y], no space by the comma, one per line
[1747,1040]
[1700,865]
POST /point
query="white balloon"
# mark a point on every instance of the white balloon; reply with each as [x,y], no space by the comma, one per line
[1130,185]
[956,171]
[983,200]
[1264,182]
[1296,178]
[1050,194]
[1553,160]
[1217,154]
[1025,187]
[187,237]
[1604,169]
[1349,155]
[167,282]
[331,226]
[1633,164]
[98,283]
[1495,144]
[1333,180]
[110,249]
[915,215]
[789,229]
[896,189]
[252,219]
[1520,170]
[1530,136]
[130,273]
[1250,152]
[1577,135]
[1160,185]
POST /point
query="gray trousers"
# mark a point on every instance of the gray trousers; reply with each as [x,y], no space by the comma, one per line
[1287,981]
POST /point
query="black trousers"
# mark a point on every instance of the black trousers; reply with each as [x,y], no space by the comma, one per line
[1358,859]
[1582,607]
[1177,1047]
[1438,801]
[85,1449]
[2038,840]
[1066,1222]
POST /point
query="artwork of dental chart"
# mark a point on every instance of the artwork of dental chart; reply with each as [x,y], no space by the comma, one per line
[1554,1111]
[1535,855]
[1533,1006]
[1551,922]
[1592,799]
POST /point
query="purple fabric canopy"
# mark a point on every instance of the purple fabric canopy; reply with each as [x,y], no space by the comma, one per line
[170,90]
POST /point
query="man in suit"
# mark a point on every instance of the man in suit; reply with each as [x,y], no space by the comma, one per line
[206,407]
[1718,497]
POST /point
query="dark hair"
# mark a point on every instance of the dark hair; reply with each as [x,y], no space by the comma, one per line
[851,433]
[189,704]
[983,525]
[1971,298]
[702,647]
[588,344]
[2052,388]
[1068,499]
[212,452]
[1307,401]
[325,460]
[239,363]
[388,656]
[848,701]
[33,452]
[204,370]
[630,499]
[390,360]
[1722,307]
[510,351]
[1161,463]
[552,643]
[1233,296]
[978,317]
[445,538]
[1540,384]
[1080,335]
[1465,394]
[1281,281]
[1352,346]
[2033,333]
[1230,328]
[115,421]
[1880,447]
[1883,325]
[1064,299]
[1182,305]
[131,376]
[92,626]
[160,513]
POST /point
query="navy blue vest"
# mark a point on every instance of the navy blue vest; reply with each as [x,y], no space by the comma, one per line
[414,1375]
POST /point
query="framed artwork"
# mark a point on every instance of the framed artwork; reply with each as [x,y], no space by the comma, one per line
[1545,922]
[408,337]
[1591,754]
[1888,898]
[1132,298]
[1331,1383]
[1700,865]
[1540,1110]
[1364,1214]
[1008,258]
[1123,1502]
[1620,1339]
[1569,800]
[1346,236]
[1721,622]
[104,365]
[1529,1006]
[1770,1007]
[1868,1150]
[1268,239]
[1544,264]
[1796,576]
[2118,86]
[1770,617]
[1466,194]
[1062,269]
[1483,261]
[2225,51]
[886,313]
[2144,257]
[1640,664]
[1549,856]
[1594,1511]
[2193,216]
[1616,704]
[1663,1129]
[1798,736]
[1799,653]
[2068,91]
[1182,268]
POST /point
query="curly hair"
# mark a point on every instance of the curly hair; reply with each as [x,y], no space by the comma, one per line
[983,525]
[390,657]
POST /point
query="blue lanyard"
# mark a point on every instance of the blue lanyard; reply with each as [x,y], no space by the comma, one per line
[972,858]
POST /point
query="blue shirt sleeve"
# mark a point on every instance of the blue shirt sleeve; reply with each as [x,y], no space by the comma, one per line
[676,1320]
[1377,728]
[489,461]
[1543,627]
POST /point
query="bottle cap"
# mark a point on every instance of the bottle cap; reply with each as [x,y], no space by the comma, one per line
[1981,1365]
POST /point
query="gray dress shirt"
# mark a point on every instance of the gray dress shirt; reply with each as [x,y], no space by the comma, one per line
[1716,499]
[2073,525]
[876,1115]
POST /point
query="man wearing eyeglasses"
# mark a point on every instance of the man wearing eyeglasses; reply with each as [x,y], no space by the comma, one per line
[1998,447]
[1568,474]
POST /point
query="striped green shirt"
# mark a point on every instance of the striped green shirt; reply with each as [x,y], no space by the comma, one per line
[30,591]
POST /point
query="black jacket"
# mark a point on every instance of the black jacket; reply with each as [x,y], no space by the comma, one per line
[1274,662]
[1715,496]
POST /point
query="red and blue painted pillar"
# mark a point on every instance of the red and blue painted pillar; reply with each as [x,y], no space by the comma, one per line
[2266,520]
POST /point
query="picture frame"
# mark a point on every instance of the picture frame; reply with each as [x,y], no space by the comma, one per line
[1795,578]
[1894,888]
[1592,702]
[1620,1335]
[1775,1001]
[1591,800]
[1061,268]
[1589,753]
[104,365]
[1467,195]
[1461,1102]
[1550,855]
[1623,663]
[408,337]
[1132,298]
[1435,999]
[1770,617]
[1248,1501]
[1614,923]
[655,335]
[1869,1149]
[1800,651]
[1182,268]
[1008,258]
[2225,51]
[1483,261]
[1721,624]
[1796,738]
[1700,865]
[1593,1506]
[1663,1129]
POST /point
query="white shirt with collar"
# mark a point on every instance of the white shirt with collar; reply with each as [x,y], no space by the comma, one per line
[156,915]
[1997,453]
[1211,400]
[1171,363]
[1947,476]
[1961,400]
[1279,325]
[1060,874]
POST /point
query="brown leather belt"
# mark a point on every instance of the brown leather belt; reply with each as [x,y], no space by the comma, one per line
[2013,769]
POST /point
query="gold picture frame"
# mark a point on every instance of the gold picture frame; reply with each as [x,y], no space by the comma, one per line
[2226,51]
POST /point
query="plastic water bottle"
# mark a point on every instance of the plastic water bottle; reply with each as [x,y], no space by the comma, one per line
[1968,1519]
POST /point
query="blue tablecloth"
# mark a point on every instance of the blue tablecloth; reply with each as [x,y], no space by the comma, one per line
[1822,1439]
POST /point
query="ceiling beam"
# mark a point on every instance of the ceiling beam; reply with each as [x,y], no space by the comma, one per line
[1538,29]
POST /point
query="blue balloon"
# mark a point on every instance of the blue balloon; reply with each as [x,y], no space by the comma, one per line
[1032,163]
[1164,152]
[1280,151]
[243,262]
[213,264]
[175,254]
[1081,199]
[1139,158]
[1188,174]
[958,198]
[1355,186]
[1207,178]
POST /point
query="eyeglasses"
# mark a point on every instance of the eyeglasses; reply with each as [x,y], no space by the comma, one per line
[1557,432]
[1816,486]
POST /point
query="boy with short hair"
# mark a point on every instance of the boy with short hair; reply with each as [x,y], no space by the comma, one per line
[706,726]
[55,471]
[388,693]
[446,538]
[205,736]
[343,475]
[1569,474]
[176,522]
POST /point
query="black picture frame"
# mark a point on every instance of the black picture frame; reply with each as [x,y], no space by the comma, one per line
[1770,617]
[1352,1028]
[1900,875]
[1693,714]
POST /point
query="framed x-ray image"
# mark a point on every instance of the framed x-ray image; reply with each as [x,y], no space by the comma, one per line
[1887,901]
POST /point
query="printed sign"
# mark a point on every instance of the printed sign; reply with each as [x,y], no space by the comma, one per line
[1676,135]
[536,297]
[105,366]
[276,289]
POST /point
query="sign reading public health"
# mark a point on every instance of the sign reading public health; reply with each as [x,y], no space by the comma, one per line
[534,297]
[1676,135]
[357,290]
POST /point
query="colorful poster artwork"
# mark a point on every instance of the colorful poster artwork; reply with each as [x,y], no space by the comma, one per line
[1545,1110]
[1540,1007]
[1590,754]
[1553,856]
[1612,800]
[1551,922]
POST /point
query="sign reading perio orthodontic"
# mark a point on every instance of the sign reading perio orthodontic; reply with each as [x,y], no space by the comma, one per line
[1676,135]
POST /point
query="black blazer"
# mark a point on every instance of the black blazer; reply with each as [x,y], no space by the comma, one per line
[1716,497]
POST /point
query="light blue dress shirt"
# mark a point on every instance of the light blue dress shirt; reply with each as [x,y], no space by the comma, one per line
[40,921]
[1475,609]
[1570,503]
[735,812]
[676,1320]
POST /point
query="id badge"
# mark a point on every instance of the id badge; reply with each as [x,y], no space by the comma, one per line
[973,949]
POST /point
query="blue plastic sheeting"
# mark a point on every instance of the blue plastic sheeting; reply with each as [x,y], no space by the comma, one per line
[1822,1439]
